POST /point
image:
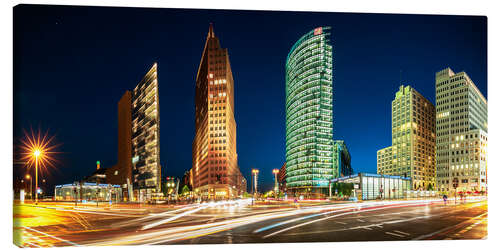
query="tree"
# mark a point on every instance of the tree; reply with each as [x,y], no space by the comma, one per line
[334,187]
[348,187]
[185,190]
[430,187]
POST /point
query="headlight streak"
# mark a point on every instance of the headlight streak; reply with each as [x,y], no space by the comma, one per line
[172,218]
[152,216]
[211,204]
[53,237]
[337,215]
[297,219]
[188,232]
[201,230]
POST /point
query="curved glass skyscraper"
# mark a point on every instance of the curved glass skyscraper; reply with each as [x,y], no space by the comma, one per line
[309,115]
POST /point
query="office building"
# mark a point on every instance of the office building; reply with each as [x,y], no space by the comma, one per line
[413,140]
[138,168]
[384,160]
[462,133]
[215,170]
[341,159]
[309,114]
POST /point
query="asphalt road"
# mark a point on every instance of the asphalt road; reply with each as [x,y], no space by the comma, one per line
[62,224]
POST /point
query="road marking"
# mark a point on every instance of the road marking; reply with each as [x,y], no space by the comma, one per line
[53,237]
[333,216]
[401,236]
[360,220]
[340,222]
[298,219]
[401,232]
[446,228]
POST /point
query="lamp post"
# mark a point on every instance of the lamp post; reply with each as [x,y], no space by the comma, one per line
[275,172]
[28,177]
[37,153]
[37,149]
[255,172]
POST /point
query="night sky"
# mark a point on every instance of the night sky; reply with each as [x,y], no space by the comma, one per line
[72,65]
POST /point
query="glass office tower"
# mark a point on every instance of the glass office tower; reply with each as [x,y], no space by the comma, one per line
[309,115]
[146,136]
[138,168]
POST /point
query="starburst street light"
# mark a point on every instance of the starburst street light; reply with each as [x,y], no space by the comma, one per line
[37,150]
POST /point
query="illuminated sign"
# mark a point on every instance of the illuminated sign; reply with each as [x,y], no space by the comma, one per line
[318,31]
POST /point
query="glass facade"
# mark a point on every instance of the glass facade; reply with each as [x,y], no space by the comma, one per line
[88,191]
[341,159]
[146,135]
[375,186]
[309,114]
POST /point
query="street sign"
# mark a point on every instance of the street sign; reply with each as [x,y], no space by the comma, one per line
[455,182]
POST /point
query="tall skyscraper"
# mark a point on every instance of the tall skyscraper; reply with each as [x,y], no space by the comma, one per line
[139,139]
[309,114]
[462,133]
[412,153]
[215,170]
[146,135]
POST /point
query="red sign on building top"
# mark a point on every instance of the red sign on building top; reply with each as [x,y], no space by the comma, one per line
[318,31]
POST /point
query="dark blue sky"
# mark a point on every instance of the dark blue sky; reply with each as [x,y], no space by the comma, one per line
[72,64]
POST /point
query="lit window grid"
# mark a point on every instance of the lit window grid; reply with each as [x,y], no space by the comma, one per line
[301,170]
[146,93]
[455,93]
[411,154]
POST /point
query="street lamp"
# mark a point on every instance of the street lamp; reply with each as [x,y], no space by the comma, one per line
[37,149]
[28,177]
[255,172]
[37,154]
[275,172]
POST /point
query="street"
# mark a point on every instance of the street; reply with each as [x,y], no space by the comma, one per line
[62,224]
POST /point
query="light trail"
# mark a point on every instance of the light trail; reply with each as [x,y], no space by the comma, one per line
[170,234]
[333,216]
[297,219]
[152,216]
[53,237]
[203,206]
[172,218]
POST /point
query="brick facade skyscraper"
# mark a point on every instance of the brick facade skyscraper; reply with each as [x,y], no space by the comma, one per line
[215,170]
